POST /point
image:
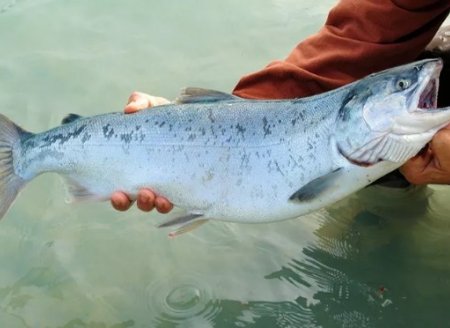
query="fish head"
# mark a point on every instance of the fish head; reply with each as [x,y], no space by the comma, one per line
[391,115]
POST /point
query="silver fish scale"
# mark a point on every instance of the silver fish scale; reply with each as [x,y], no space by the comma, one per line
[265,150]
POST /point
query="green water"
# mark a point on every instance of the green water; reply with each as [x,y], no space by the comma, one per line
[378,259]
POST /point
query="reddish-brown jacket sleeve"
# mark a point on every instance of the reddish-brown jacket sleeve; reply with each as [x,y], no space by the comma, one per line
[359,37]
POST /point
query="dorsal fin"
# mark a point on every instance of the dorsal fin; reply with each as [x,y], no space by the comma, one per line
[199,95]
[69,118]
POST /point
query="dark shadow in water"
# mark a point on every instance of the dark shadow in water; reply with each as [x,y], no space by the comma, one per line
[364,270]
[367,273]
[78,323]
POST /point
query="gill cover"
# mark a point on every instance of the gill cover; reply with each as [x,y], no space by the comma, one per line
[366,120]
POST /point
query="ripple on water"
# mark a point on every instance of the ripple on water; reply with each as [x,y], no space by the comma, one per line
[180,299]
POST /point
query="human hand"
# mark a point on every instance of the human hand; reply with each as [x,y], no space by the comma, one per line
[140,100]
[432,165]
[146,199]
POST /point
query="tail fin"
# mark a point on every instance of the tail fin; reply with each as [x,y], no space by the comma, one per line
[10,183]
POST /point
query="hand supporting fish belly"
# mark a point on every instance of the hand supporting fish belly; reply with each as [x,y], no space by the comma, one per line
[146,200]
[225,158]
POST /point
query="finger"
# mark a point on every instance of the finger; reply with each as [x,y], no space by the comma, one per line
[136,105]
[139,100]
[146,200]
[158,101]
[415,170]
[163,205]
[136,102]
[120,201]
[135,95]
[441,150]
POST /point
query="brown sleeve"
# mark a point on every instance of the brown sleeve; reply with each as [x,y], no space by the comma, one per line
[359,37]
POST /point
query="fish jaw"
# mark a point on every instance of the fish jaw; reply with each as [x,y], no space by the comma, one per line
[423,116]
[396,118]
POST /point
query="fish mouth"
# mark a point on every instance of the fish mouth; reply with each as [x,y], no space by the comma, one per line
[424,118]
[428,96]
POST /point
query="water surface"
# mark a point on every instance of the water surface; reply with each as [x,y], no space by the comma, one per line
[377,259]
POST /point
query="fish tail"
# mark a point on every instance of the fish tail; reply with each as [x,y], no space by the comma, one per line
[10,182]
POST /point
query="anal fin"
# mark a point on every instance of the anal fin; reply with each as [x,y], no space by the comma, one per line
[316,187]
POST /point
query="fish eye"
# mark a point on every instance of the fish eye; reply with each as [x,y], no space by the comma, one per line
[403,84]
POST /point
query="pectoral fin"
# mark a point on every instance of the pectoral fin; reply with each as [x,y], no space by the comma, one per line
[316,187]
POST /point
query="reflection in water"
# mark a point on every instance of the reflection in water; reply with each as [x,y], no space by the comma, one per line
[368,266]
[78,323]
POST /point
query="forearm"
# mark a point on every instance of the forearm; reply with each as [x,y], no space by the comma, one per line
[359,37]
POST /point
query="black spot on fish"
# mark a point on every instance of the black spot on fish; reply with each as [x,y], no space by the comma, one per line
[126,137]
[138,127]
[294,121]
[192,137]
[162,124]
[266,127]
[62,137]
[302,116]
[108,131]
[210,115]
[240,129]
[213,132]
[295,163]
[86,137]
[278,168]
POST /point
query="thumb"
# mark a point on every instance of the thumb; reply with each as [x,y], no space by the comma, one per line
[136,102]
[413,170]
[441,149]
